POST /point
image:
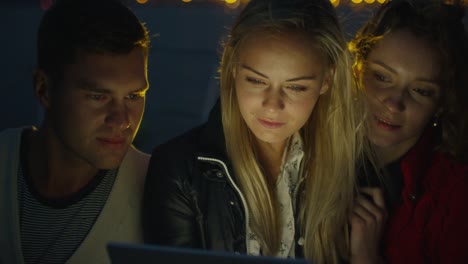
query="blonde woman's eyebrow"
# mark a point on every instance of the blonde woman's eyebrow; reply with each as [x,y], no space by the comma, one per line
[253,70]
[312,77]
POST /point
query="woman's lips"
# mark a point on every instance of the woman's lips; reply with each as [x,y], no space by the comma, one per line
[385,124]
[270,124]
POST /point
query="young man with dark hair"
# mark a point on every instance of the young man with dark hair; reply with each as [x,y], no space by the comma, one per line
[72,185]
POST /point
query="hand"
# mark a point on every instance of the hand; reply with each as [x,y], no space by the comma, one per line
[367,222]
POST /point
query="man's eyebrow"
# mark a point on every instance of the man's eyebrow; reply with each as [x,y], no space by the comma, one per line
[142,90]
[93,87]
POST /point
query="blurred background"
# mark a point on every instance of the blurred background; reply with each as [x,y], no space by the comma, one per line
[183,61]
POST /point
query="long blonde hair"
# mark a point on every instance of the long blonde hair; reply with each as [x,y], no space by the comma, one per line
[332,137]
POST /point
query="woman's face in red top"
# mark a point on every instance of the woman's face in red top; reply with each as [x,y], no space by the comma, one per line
[401,78]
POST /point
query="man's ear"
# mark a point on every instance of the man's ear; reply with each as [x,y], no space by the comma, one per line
[42,87]
[327,81]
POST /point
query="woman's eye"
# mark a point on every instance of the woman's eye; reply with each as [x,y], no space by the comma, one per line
[255,80]
[380,77]
[296,88]
[424,92]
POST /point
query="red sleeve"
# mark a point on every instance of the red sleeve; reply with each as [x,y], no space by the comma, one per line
[453,243]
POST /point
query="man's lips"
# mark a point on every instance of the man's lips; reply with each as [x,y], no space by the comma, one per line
[269,123]
[112,140]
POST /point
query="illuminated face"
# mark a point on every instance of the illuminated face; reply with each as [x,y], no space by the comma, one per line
[97,108]
[401,80]
[279,79]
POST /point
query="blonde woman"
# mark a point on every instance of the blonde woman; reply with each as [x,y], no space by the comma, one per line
[272,171]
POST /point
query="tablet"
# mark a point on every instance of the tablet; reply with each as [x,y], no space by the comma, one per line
[121,253]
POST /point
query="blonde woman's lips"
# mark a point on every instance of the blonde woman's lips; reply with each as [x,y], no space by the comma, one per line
[270,124]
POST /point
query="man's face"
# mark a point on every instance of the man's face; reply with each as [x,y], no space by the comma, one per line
[96,109]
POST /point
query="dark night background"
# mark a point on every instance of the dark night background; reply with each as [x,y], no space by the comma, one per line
[182,69]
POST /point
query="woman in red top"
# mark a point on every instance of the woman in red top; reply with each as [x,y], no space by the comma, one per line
[411,60]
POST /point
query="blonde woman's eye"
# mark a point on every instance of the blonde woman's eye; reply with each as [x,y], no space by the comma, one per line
[297,88]
[255,81]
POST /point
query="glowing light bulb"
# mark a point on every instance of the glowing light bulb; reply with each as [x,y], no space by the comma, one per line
[335,3]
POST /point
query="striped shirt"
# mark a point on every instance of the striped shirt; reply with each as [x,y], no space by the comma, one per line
[52,229]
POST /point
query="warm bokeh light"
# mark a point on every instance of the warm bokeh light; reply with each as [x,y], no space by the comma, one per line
[335,3]
[235,4]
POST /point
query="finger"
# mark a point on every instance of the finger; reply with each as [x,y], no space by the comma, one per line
[376,194]
[378,214]
[365,215]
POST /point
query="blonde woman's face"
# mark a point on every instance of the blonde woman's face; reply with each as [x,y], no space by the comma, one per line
[401,80]
[279,79]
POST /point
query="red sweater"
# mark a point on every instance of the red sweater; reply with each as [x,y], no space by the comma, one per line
[431,224]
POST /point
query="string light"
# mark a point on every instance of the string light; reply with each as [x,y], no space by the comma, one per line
[233,4]
[335,3]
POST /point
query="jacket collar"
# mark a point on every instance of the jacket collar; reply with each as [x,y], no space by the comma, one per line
[212,141]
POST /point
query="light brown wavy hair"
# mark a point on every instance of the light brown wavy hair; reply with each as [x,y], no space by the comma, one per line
[439,23]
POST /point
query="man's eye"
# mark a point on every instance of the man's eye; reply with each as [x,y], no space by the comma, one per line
[96,97]
[136,96]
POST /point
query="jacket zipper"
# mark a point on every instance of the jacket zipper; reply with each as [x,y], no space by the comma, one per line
[244,202]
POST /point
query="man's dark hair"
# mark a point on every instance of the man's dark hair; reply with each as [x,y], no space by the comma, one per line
[98,26]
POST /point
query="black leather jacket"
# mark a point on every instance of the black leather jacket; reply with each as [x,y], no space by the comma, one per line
[191,197]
